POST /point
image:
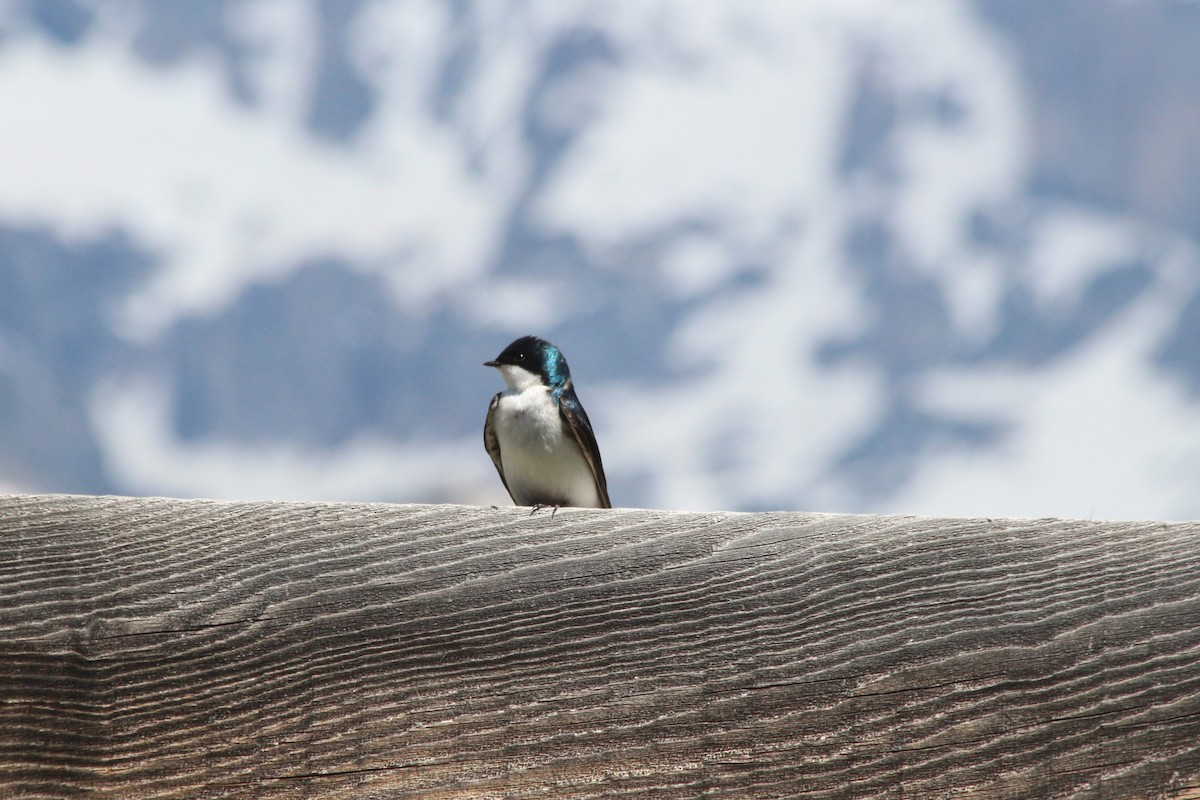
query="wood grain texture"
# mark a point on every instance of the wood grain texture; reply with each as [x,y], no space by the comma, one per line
[167,648]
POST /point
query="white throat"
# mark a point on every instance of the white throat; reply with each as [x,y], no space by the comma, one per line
[517,378]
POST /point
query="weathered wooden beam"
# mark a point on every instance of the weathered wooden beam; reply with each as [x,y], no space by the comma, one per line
[169,648]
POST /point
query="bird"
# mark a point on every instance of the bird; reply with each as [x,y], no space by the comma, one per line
[537,433]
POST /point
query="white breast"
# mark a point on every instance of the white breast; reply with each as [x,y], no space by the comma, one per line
[541,460]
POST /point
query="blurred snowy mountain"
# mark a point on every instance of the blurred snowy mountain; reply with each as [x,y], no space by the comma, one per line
[933,257]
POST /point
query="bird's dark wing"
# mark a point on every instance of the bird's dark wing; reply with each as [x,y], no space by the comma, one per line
[571,410]
[492,444]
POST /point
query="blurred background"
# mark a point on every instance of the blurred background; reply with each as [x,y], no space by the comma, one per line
[840,255]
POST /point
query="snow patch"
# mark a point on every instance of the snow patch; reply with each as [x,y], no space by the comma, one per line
[132,423]
[224,195]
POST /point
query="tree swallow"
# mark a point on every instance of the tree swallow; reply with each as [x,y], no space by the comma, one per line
[538,434]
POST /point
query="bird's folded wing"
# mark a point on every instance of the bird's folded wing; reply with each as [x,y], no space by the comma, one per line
[492,444]
[576,418]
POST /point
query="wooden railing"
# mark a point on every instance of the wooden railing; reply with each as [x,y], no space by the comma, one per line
[170,648]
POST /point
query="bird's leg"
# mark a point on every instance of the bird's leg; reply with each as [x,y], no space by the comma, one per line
[539,506]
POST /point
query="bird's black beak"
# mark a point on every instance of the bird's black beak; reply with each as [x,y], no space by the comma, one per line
[491,363]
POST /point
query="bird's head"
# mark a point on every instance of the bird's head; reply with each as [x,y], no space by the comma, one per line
[531,361]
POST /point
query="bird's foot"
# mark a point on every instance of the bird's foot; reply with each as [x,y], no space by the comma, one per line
[539,506]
